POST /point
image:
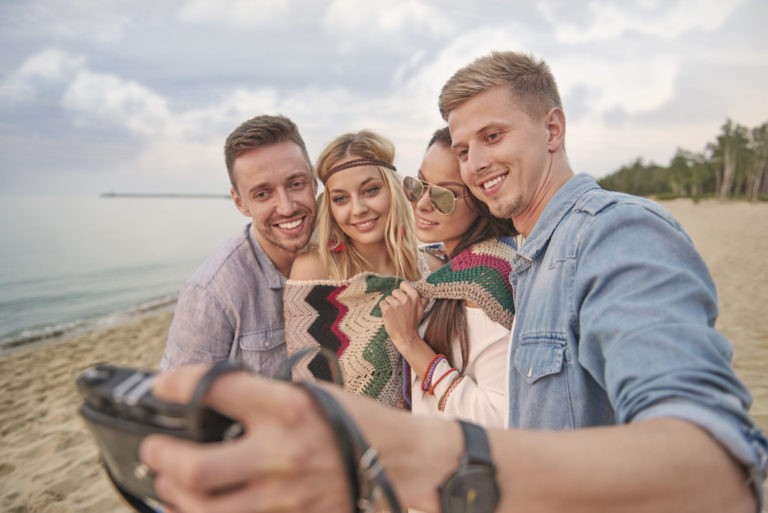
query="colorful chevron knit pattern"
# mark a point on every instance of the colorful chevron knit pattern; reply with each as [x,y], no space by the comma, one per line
[480,274]
[344,316]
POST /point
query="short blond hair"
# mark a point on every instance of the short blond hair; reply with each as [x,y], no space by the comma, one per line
[528,79]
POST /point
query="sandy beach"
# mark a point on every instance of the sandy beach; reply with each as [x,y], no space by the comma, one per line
[49,464]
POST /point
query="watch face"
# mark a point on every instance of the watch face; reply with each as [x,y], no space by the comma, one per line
[472,489]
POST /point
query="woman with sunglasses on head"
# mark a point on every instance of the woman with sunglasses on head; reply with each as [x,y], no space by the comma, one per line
[365,245]
[458,355]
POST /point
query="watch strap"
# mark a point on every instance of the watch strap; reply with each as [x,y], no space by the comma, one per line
[476,446]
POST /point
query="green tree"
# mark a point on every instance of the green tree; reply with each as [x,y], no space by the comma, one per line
[680,173]
[730,152]
[637,178]
[757,170]
[736,164]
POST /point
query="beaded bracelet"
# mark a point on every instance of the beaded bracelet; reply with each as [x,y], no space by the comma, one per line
[442,376]
[444,399]
[427,378]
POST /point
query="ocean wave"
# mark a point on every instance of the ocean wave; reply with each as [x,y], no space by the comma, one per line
[31,336]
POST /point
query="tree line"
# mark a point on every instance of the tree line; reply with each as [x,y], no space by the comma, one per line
[734,166]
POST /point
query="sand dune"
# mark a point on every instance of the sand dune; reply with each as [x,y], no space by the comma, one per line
[49,464]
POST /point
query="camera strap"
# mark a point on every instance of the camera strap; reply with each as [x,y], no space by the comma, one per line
[367,479]
[366,476]
[195,412]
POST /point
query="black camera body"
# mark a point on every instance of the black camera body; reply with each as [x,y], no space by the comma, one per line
[120,410]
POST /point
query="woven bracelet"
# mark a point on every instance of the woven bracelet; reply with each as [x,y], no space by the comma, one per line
[433,386]
[444,398]
[426,380]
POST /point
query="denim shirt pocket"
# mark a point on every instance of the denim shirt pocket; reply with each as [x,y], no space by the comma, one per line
[262,340]
[540,355]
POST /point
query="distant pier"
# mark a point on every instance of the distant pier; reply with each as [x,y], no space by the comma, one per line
[160,195]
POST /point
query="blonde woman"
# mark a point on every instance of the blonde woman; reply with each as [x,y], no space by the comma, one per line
[365,246]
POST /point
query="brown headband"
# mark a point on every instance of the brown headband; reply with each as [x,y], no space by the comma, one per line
[356,163]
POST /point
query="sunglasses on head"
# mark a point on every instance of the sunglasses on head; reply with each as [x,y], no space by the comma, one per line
[444,200]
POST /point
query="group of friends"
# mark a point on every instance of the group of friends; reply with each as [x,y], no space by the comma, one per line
[569,329]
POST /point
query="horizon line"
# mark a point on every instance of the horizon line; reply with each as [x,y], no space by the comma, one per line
[161,195]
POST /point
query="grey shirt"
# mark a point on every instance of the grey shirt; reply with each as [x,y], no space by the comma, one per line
[231,308]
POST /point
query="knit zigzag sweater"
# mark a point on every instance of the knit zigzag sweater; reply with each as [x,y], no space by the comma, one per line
[344,316]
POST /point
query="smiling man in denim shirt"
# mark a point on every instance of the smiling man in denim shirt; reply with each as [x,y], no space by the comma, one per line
[615,308]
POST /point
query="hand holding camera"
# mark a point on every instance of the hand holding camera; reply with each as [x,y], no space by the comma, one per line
[120,410]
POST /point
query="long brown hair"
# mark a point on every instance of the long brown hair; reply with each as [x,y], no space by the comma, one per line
[448,318]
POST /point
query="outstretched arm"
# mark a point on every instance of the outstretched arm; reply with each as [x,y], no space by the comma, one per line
[287,459]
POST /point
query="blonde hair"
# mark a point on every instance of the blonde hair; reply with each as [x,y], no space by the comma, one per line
[527,78]
[339,257]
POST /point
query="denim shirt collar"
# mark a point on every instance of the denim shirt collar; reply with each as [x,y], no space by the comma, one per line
[561,203]
[274,278]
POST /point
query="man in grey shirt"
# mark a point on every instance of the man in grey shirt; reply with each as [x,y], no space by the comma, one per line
[232,306]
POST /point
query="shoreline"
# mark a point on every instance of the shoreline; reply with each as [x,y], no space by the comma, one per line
[37,337]
[50,464]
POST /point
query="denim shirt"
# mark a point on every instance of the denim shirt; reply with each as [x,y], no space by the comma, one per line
[615,324]
[231,308]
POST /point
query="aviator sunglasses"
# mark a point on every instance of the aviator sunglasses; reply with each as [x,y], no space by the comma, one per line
[444,200]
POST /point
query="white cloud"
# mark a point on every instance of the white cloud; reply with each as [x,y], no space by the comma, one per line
[98,21]
[428,77]
[108,98]
[634,86]
[394,16]
[49,65]
[656,18]
[238,13]
[618,65]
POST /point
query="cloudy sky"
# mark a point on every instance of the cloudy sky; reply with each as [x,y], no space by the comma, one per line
[137,96]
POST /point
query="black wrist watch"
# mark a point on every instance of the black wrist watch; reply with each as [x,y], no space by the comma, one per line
[472,488]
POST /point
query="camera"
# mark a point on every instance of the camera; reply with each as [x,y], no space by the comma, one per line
[119,409]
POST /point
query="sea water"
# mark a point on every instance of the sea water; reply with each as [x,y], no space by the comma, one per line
[69,263]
